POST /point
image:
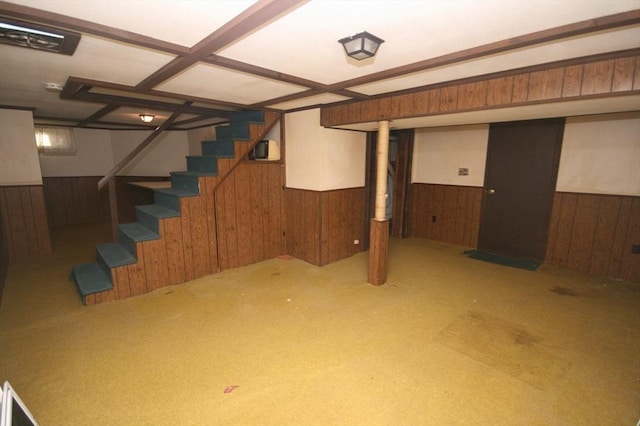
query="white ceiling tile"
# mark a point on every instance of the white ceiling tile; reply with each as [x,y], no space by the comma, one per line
[209,81]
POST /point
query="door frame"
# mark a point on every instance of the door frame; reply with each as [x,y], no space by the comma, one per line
[548,196]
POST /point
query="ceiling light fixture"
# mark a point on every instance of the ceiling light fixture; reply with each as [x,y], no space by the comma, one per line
[26,34]
[147,118]
[361,46]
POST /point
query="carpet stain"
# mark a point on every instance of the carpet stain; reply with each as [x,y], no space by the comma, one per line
[505,346]
[523,337]
[564,291]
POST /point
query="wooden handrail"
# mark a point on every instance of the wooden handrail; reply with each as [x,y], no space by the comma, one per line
[133,154]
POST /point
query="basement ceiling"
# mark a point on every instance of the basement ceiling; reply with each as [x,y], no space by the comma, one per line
[150,57]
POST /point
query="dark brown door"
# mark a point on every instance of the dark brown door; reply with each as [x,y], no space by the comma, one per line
[520,180]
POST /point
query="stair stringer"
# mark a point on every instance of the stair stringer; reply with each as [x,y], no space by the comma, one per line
[208,187]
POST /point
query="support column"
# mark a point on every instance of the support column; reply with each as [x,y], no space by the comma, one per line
[379,234]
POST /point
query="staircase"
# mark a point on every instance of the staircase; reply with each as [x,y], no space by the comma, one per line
[174,239]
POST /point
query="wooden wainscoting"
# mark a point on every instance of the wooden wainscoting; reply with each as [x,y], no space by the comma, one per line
[322,225]
[250,229]
[611,74]
[24,220]
[446,213]
[4,258]
[595,233]
[75,200]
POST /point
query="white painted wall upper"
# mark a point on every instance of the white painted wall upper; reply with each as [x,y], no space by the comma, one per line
[165,154]
[93,156]
[19,163]
[195,136]
[98,151]
[322,159]
[601,155]
[439,152]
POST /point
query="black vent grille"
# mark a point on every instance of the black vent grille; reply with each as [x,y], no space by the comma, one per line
[35,36]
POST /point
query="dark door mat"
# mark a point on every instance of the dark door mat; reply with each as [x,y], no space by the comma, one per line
[529,265]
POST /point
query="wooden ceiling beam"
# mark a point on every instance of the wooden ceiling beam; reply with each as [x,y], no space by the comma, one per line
[584,27]
[98,114]
[252,18]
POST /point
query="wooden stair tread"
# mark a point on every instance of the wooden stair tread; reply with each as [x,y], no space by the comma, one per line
[158,211]
[97,277]
[138,232]
[114,255]
[90,278]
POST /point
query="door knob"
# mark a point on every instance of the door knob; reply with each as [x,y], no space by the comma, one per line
[490,191]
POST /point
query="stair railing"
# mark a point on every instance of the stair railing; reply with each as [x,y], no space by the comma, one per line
[108,178]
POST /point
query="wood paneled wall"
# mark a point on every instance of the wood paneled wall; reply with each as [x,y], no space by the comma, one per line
[4,257]
[249,210]
[75,200]
[609,75]
[322,225]
[230,224]
[595,233]
[588,232]
[24,221]
[456,210]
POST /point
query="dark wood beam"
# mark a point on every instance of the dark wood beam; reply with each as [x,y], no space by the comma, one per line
[563,31]
[75,84]
[252,18]
[262,72]
[137,150]
[101,98]
[98,114]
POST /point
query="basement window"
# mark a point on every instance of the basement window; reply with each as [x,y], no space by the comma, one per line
[55,141]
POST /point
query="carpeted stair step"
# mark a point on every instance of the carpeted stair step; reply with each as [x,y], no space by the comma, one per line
[221,148]
[187,181]
[203,164]
[90,278]
[238,131]
[170,197]
[131,233]
[248,116]
[149,215]
[112,255]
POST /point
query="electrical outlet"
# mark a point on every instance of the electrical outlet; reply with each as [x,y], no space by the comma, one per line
[463,171]
[433,219]
[356,242]
[635,249]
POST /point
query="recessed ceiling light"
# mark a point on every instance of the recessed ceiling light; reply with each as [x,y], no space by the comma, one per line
[146,118]
[34,36]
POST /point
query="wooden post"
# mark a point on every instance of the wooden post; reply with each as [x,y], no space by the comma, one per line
[379,234]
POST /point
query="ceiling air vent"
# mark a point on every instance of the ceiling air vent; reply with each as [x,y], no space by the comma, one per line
[26,34]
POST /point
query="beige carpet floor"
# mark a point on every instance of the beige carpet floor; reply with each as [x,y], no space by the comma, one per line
[447,341]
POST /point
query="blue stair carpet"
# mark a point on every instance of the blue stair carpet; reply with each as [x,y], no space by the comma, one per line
[95,277]
[90,278]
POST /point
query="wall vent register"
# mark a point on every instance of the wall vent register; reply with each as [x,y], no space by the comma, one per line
[25,34]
